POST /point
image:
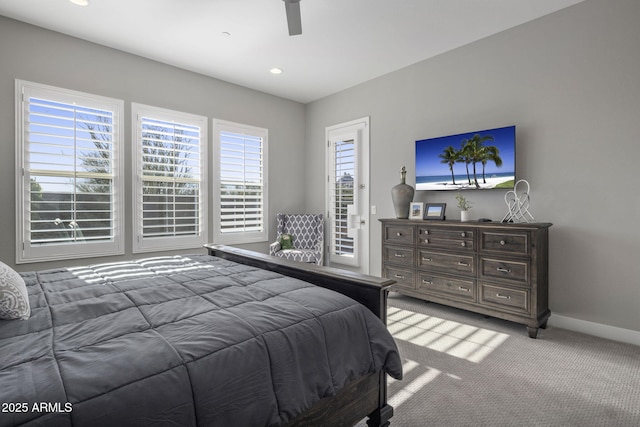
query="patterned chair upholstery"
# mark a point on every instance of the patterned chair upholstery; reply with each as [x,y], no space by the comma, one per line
[307,231]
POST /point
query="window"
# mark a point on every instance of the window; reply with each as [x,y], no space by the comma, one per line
[69,180]
[240,174]
[170,162]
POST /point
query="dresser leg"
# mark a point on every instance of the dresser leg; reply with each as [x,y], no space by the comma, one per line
[533,332]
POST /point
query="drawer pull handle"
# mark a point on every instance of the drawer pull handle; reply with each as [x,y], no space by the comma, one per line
[427,282]
[463,244]
[398,255]
[503,296]
[463,234]
[398,276]
[462,288]
[426,240]
[427,259]
[398,234]
[503,270]
[502,243]
[463,264]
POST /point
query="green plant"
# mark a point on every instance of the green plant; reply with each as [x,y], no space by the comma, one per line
[463,203]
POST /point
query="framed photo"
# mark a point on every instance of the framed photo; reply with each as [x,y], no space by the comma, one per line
[416,210]
[435,211]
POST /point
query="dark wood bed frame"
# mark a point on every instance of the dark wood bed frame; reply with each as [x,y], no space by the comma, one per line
[365,397]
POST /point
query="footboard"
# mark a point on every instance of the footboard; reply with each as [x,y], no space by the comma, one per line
[364,397]
[369,291]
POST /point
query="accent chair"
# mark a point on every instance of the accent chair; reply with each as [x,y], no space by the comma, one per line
[307,238]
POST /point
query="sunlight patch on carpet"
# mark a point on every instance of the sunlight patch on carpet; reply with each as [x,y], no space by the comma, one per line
[455,339]
[414,386]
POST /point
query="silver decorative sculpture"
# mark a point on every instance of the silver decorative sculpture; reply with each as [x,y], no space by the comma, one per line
[517,201]
[402,195]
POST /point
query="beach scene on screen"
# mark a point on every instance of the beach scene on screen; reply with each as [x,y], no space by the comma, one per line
[467,161]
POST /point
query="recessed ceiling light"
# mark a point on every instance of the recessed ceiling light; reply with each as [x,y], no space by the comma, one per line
[80,2]
[276,71]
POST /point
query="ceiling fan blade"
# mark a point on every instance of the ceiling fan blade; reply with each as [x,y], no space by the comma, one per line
[294,21]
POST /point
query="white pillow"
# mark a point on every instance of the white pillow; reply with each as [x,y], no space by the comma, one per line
[14,299]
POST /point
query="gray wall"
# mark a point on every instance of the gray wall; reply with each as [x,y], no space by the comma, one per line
[34,54]
[570,82]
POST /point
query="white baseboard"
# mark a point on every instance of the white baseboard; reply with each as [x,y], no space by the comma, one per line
[597,329]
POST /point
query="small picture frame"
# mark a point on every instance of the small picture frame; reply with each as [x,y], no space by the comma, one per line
[416,210]
[435,211]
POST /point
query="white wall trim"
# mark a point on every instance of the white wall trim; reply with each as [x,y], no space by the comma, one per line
[628,336]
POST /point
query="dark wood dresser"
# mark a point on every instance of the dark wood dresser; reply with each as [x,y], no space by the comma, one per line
[497,269]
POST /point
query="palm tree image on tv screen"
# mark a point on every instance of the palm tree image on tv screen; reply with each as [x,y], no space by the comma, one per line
[468,161]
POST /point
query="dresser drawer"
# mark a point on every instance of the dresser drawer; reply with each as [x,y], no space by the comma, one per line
[446,238]
[515,271]
[403,277]
[399,234]
[512,243]
[399,255]
[458,289]
[505,298]
[447,262]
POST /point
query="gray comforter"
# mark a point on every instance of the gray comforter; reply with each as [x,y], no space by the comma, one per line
[181,341]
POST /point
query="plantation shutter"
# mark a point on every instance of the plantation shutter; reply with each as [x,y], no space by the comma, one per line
[241,183]
[342,195]
[70,158]
[171,175]
[70,190]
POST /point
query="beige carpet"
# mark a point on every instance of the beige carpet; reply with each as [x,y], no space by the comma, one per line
[465,369]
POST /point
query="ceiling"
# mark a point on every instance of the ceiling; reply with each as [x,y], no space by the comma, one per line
[343,42]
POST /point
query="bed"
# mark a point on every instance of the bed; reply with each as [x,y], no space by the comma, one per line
[232,338]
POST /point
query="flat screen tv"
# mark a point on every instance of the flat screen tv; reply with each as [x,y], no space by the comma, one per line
[479,160]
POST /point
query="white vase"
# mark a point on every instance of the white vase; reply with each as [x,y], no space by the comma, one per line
[464,216]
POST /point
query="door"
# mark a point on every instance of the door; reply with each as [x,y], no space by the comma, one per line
[347,194]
